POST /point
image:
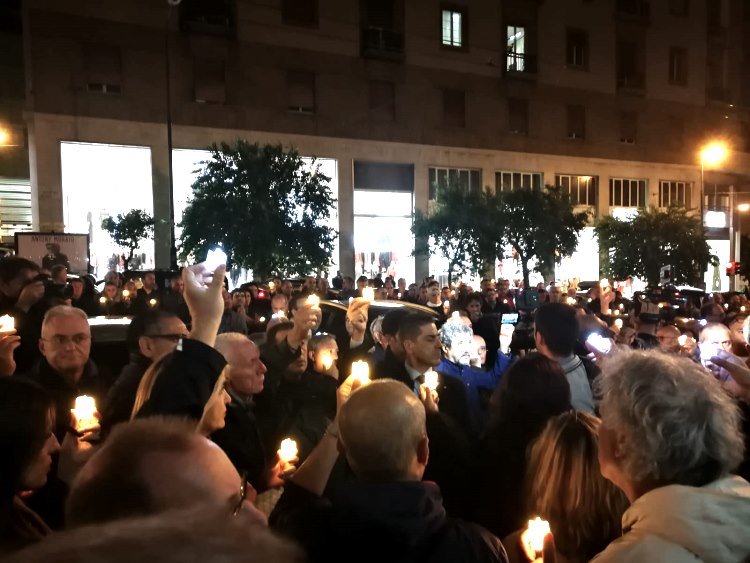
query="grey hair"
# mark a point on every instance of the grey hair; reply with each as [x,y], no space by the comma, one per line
[451,329]
[63,311]
[676,423]
[711,327]
[376,328]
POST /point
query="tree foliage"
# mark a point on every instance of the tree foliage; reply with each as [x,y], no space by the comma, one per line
[539,223]
[654,238]
[451,229]
[127,231]
[264,207]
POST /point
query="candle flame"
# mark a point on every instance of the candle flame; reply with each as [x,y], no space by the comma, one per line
[288,450]
[536,531]
[327,360]
[7,323]
[431,380]
[361,372]
[368,294]
[313,301]
[85,411]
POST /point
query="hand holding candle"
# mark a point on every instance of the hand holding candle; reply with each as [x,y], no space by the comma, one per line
[327,360]
[288,451]
[152,302]
[532,538]
[368,294]
[85,413]
[125,294]
[431,380]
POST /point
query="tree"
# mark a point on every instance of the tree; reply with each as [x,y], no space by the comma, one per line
[653,238]
[450,229]
[127,231]
[539,223]
[264,206]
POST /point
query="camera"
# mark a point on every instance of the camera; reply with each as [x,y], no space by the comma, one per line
[54,291]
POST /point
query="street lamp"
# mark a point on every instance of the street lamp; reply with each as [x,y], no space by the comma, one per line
[712,154]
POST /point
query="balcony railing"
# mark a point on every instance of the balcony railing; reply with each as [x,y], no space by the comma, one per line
[520,63]
[378,42]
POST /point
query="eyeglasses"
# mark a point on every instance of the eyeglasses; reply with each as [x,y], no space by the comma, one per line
[243,494]
[173,337]
[62,340]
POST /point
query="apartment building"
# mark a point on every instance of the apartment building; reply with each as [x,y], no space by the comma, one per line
[610,99]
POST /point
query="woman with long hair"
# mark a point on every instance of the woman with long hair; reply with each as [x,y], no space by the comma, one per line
[27,443]
[565,487]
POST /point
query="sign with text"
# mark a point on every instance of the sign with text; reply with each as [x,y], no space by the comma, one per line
[51,249]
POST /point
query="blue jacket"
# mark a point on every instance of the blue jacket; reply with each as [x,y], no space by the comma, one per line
[475,379]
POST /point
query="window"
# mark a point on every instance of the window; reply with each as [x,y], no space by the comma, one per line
[453,28]
[629,65]
[301,92]
[577,49]
[103,69]
[626,192]
[299,12]
[454,108]
[382,100]
[678,66]
[581,190]
[509,181]
[628,127]
[518,115]
[673,192]
[469,179]
[209,81]
[576,122]
[207,17]
[516,48]
[679,7]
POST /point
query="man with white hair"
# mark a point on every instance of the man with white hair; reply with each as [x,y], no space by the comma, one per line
[388,513]
[670,438]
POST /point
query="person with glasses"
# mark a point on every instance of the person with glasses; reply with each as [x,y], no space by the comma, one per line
[150,336]
[64,372]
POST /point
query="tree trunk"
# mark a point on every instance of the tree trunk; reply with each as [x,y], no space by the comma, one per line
[525,270]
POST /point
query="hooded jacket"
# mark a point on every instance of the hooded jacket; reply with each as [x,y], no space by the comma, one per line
[394,522]
[680,524]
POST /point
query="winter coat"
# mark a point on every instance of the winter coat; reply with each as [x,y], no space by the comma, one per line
[680,524]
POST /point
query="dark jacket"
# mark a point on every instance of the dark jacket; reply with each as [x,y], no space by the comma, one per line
[174,302]
[232,321]
[241,441]
[119,403]
[391,522]
[186,382]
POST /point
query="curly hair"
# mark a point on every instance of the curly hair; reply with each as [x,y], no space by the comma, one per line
[676,423]
[450,330]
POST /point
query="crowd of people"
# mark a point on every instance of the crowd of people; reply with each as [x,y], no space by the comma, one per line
[240,431]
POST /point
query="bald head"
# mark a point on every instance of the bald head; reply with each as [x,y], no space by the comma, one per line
[149,466]
[246,370]
[383,434]
[668,338]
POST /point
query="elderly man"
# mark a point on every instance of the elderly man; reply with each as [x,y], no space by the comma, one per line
[388,513]
[670,438]
[151,466]
[668,338]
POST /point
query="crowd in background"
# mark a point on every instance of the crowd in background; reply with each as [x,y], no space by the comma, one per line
[470,422]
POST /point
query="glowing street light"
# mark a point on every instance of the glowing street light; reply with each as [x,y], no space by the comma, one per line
[713,154]
[743,207]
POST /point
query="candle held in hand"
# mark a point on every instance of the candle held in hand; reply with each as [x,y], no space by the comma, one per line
[152,302]
[431,380]
[327,360]
[288,450]
[368,294]
[85,411]
[102,300]
[125,293]
[313,301]
[604,283]
[361,372]
[571,301]
[618,323]
[7,323]
[535,533]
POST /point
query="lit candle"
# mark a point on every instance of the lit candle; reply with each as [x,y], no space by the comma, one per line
[446,306]
[313,301]
[682,340]
[622,306]
[456,316]
[102,300]
[535,533]
[125,293]
[618,323]
[152,302]
[726,305]
[361,372]
[661,305]
[263,319]
[278,315]
[742,308]
[288,450]
[505,301]
[431,380]
[604,283]
[7,323]
[609,312]
[327,360]
[571,300]
[368,294]
[271,286]
[616,312]
[84,411]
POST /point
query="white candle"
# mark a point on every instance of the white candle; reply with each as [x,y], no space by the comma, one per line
[536,532]
[682,340]
[431,380]
[361,372]
[604,283]
[102,300]
[288,450]
[368,294]
[313,301]
[7,323]
[327,360]
[84,411]
[152,302]
[125,293]
[618,323]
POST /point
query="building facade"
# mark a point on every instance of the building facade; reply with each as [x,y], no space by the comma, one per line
[610,99]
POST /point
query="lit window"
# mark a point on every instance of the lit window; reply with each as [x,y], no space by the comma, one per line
[580,190]
[453,28]
[516,43]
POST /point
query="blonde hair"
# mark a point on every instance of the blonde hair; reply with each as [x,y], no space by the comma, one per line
[147,383]
[566,488]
